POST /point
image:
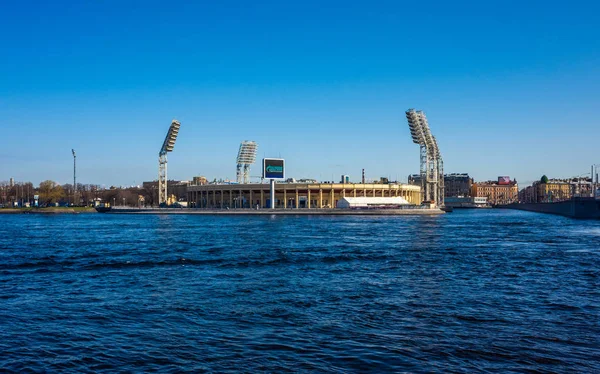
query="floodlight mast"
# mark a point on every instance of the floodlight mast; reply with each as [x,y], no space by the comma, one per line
[167,146]
[74,176]
[432,166]
[246,157]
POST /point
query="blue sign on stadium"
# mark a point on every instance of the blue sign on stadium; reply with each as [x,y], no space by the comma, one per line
[273,168]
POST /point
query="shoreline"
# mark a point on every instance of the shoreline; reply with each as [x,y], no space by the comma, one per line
[244,212]
[51,210]
[283,212]
[232,212]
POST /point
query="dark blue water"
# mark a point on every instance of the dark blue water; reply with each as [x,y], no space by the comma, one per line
[478,291]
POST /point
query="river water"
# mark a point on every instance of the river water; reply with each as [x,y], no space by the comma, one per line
[478,291]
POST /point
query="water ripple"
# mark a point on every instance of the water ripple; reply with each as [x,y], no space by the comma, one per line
[476,291]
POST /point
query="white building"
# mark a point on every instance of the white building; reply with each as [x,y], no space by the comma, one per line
[371,202]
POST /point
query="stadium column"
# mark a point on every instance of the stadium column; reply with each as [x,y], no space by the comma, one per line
[332,201]
[262,197]
[320,198]
[284,198]
[296,201]
[221,199]
[251,197]
[308,197]
[230,198]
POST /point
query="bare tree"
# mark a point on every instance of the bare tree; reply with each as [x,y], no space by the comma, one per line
[50,192]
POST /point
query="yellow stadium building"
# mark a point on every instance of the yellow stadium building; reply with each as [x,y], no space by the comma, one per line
[293,195]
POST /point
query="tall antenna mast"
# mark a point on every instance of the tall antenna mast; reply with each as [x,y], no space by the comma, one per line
[167,146]
[246,157]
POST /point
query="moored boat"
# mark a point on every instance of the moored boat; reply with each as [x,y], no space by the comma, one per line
[103,208]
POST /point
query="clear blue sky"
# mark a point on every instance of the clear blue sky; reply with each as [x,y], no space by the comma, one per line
[510,88]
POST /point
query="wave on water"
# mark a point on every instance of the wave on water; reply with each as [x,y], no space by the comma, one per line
[471,291]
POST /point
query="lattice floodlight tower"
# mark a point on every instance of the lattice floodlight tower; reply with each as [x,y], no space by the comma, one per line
[167,146]
[246,157]
[432,165]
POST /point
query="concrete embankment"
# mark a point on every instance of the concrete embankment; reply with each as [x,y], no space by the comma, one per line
[51,210]
[290,212]
[584,208]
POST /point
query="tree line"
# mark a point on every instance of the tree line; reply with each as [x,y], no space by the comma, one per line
[51,193]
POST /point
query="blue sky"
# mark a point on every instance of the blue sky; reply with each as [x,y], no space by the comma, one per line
[510,88]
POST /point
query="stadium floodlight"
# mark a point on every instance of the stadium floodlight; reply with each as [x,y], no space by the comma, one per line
[167,146]
[416,130]
[246,157]
[432,174]
[171,137]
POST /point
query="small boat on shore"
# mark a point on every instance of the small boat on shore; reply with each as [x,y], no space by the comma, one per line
[103,208]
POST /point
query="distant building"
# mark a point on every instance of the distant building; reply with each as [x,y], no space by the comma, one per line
[177,190]
[11,182]
[414,179]
[528,195]
[553,190]
[199,181]
[455,184]
[502,191]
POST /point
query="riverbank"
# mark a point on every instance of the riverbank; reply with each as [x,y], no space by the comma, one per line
[579,207]
[290,212]
[243,212]
[49,210]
